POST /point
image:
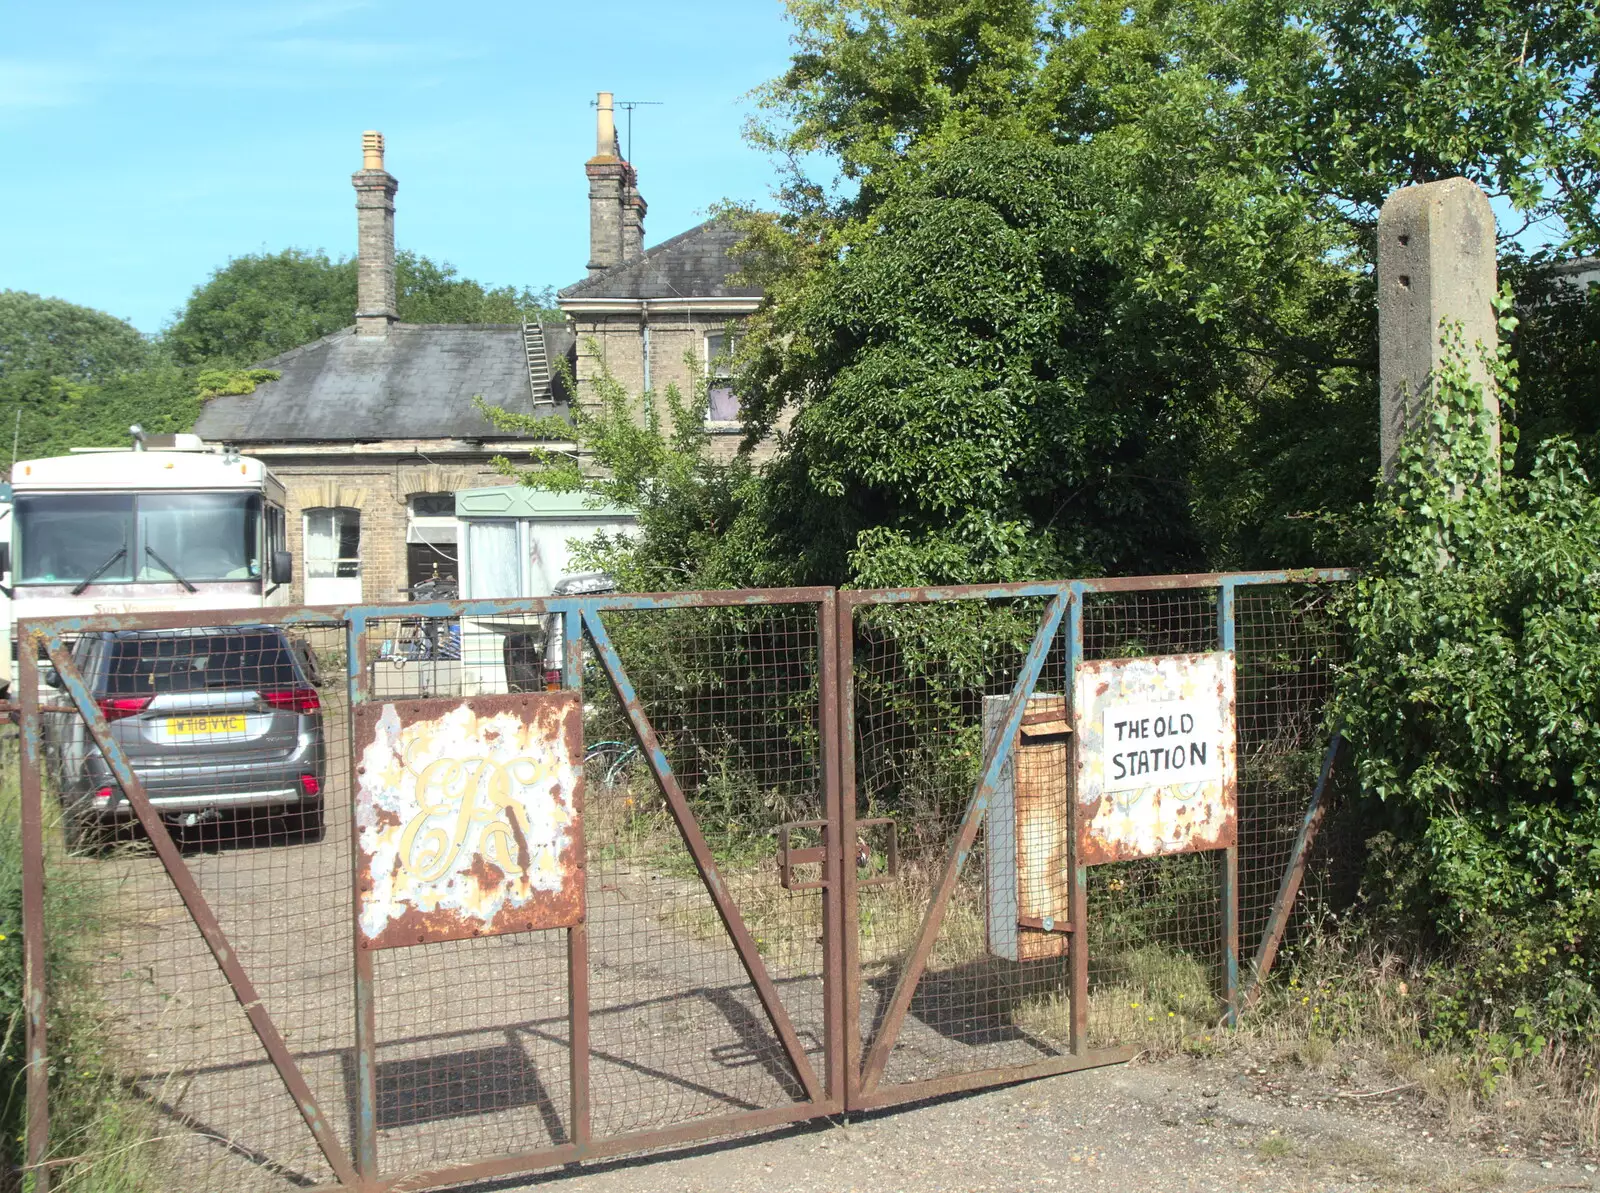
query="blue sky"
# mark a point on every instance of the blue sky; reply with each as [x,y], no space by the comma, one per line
[142,144]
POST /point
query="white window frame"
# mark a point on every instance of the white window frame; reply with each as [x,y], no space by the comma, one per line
[336,560]
[730,340]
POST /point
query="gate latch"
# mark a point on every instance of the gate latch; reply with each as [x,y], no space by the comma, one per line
[789,858]
[817,855]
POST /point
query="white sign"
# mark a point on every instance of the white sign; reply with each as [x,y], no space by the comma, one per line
[1154,756]
[1154,743]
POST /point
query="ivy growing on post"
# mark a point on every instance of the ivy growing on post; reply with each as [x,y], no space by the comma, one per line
[1472,697]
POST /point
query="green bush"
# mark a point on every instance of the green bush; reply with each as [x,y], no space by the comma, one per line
[1472,696]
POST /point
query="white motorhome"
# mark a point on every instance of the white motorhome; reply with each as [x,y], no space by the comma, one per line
[173,523]
[5,587]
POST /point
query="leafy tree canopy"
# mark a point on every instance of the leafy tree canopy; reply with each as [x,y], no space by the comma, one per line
[50,415]
[259,305]
[1090,288]
[1345,100]
[51,336]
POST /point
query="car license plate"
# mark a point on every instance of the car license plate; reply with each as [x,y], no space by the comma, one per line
[204,726]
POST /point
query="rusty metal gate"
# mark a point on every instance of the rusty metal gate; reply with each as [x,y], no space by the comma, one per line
[526,883]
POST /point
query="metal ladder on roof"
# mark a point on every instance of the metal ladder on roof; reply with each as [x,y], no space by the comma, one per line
[533,347]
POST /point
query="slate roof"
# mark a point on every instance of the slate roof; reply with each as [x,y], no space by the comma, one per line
[693,264]
[417,382]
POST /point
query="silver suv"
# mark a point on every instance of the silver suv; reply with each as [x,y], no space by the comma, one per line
[211,720]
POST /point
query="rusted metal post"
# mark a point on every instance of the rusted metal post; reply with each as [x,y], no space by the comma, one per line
[849,899]
[911,974]
[205,920]
[1230,934]
[704,862]
[37,1131]
[837,846]
[1227,640]
[1077,872]
[365,1142]
[1293,875]
[578,934]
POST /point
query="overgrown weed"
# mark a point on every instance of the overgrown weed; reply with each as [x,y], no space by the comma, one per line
[1334,1004]
[102,1139]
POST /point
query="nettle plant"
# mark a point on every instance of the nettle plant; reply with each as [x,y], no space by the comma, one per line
[1472,697]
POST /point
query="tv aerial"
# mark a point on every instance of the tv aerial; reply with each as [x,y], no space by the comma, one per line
[628,105]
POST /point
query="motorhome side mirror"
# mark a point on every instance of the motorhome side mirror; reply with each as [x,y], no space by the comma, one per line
[51,677]
[282,567]
[5,558]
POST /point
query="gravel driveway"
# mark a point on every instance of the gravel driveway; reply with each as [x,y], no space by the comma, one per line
[1170,1127]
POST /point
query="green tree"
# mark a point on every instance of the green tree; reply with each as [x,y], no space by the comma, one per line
[1341,99]
[260,305]
[1227,159]
[51,336]
[429,293]
[51,415]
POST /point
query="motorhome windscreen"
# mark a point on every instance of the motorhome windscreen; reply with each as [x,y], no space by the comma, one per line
[68,538]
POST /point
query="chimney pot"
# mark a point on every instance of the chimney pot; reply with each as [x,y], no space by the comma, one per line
[605,126]
[371,150]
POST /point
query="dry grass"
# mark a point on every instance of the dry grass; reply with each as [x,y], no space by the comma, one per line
[101,1139]
[1358,1008]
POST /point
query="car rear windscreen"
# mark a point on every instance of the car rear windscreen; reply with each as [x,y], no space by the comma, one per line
[250,660]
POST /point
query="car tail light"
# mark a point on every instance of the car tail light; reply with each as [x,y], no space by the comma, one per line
[103,796]
[294,699]
[309,785]
[114,708]
[552,681]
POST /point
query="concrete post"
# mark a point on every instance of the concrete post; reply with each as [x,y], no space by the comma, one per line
[1436,260]
[375,188]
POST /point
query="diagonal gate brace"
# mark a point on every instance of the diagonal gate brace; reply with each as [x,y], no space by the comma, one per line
[878,1057]
[683,816]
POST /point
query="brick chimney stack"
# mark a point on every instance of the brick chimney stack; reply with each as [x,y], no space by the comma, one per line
[633,209]
[608,183]
[375,188]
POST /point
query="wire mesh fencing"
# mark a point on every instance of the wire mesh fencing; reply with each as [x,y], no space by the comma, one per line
[1154,931]
[928,678]
[241,737]
[679,1029]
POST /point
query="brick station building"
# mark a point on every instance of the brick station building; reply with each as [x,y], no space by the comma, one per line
[373,429]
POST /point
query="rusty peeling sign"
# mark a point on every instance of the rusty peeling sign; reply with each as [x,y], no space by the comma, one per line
[468,817]
[1156,767]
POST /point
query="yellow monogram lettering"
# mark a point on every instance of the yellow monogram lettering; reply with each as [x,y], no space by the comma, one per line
[452,797]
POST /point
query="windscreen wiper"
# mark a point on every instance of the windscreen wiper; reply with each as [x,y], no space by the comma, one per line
[172,571]
[100,571]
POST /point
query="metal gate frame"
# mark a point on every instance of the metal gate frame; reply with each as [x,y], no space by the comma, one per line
[851,1081]
[864,1088]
